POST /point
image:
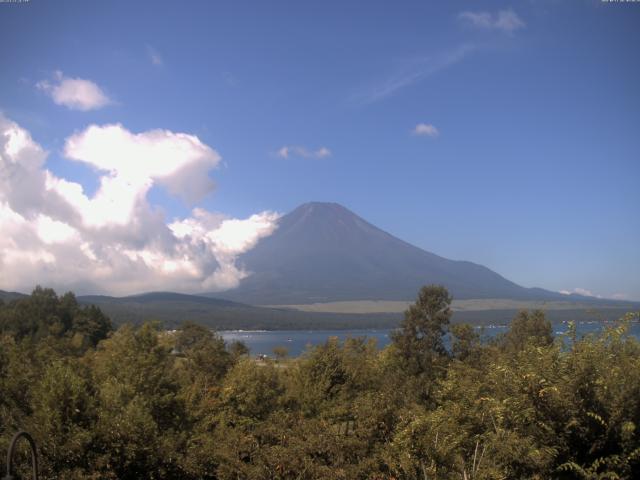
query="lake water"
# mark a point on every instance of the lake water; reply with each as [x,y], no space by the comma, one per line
[296,341]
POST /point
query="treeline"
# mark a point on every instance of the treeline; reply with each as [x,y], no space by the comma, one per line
[139,402]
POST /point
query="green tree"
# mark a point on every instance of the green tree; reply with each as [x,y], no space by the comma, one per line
[43,314]
[63,417]
[528,328]
[418,345]
[204,350]
[141,419]
[465,345]
[280,352]
[238,349]
[252,391]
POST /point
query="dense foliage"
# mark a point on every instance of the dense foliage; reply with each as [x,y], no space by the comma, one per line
[140,402]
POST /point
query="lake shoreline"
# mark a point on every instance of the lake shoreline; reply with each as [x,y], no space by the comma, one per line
[262,341]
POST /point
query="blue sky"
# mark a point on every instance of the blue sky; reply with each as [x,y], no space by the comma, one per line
[502,133]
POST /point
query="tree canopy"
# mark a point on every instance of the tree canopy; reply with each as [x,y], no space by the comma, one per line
[142,402]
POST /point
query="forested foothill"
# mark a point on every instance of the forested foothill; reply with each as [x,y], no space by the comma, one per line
[141,402]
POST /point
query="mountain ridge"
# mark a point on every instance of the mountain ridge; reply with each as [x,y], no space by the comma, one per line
[172,309]
[323,252]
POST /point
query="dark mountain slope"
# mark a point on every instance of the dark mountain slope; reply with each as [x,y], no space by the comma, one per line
[8,296]
[174,308]
[323,252]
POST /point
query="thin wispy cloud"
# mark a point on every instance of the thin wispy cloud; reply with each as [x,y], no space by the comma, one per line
[425,130]
[506,21]
[292,151]
[414,73]
[154,56]
[74,93]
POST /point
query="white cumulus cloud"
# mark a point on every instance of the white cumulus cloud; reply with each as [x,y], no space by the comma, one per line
[115,241]
[504,20]
[426,130]
[135,161]
[74,93]
[302,152]
[227,237]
